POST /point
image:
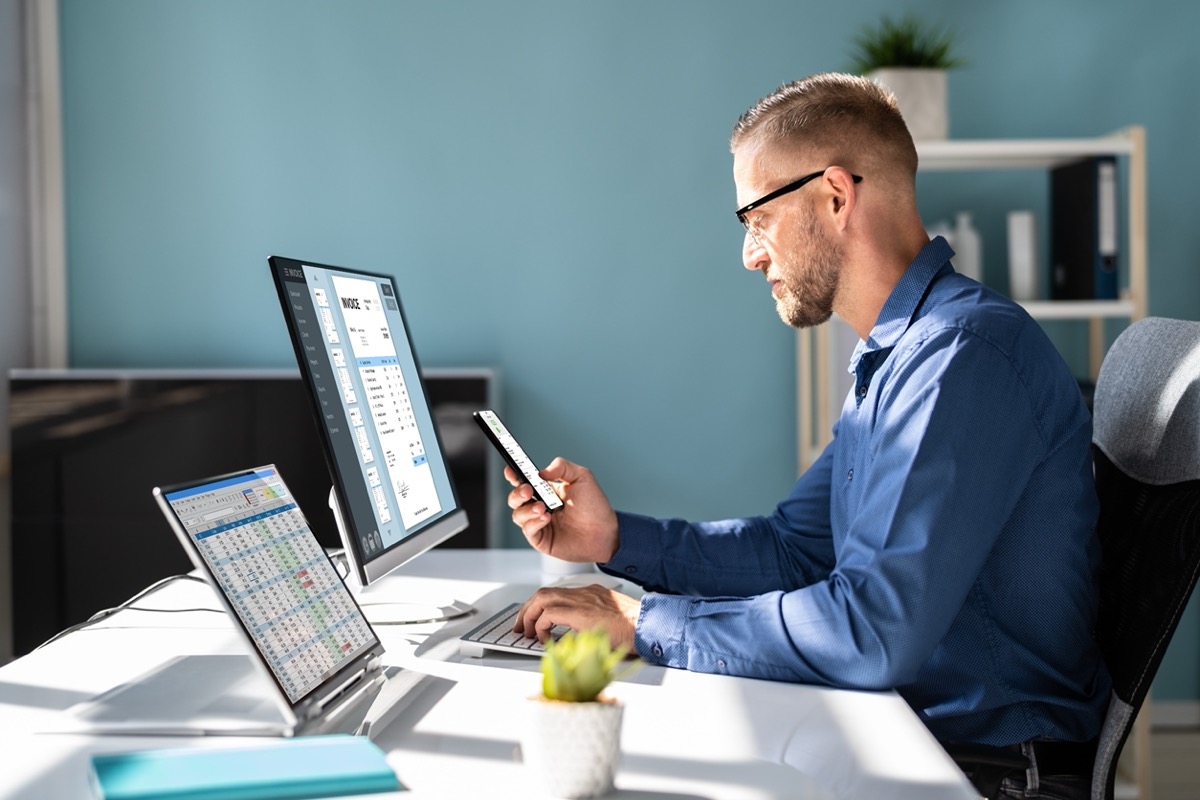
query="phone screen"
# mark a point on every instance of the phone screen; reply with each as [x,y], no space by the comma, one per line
[516,458]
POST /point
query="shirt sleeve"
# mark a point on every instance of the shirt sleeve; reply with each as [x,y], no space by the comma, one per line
[737,557]
[944,459]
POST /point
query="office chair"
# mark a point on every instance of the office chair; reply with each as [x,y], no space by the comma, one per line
[1146,447]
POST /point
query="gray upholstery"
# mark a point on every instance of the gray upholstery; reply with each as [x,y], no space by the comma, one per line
[1147,402]
[1146,439]
[1117,723]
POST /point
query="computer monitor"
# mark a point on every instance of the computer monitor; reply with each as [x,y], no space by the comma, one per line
[393,497]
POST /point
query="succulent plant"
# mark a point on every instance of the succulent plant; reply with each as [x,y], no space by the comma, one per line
[580,664]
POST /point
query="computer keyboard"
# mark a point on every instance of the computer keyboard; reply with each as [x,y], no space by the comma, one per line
[496,633]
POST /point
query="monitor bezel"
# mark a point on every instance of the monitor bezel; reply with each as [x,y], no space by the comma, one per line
[363,571]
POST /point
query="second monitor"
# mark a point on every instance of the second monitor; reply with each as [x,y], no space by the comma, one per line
[392,495]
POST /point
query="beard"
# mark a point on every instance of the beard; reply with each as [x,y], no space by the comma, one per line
[807,290]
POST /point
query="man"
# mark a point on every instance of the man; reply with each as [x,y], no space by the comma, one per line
[944,543]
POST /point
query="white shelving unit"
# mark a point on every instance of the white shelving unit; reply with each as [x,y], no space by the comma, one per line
[1001,154]
[822,353]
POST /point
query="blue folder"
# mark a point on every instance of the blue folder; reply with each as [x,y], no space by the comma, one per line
[287,769]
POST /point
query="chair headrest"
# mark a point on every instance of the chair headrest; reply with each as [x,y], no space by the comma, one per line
[1147,402]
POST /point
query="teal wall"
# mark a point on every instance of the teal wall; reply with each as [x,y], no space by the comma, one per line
[550,184]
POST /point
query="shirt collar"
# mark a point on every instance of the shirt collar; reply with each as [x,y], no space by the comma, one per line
[897,313]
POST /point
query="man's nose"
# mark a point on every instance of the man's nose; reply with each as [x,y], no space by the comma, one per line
[754,255]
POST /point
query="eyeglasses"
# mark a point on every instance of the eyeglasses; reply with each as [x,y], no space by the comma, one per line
[780,192]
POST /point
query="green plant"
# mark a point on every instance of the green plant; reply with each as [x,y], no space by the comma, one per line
[579,666]
[906,42]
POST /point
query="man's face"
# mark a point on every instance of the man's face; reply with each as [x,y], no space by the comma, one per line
[786,240]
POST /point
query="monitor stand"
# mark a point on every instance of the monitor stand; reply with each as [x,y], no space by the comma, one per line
[388,612]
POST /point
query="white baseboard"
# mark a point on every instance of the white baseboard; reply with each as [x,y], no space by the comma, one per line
[1175,713]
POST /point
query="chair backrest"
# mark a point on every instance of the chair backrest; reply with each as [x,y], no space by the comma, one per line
[1146,444]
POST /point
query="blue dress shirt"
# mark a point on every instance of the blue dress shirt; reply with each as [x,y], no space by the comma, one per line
[942,545]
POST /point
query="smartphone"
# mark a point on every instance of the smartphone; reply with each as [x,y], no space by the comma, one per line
[516,458]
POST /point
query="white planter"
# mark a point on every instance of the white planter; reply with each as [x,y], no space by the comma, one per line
[921,93]
[571,749]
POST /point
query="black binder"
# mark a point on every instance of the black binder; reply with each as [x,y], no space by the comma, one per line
[1083,230]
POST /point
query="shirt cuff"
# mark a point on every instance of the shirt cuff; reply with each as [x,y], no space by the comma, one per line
[637,556]
[658,636]
[661,628]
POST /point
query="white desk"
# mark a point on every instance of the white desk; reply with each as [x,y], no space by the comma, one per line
[685,735]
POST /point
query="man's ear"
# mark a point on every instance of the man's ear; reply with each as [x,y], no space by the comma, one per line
[843,194]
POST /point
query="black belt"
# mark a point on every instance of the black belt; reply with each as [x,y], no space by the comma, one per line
[990,765]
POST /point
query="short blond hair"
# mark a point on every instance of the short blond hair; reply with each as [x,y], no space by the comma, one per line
[852,121]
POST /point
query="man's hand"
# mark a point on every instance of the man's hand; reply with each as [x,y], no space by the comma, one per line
[580,608]
[584,529]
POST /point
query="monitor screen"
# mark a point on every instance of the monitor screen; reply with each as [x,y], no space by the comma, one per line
[393,497]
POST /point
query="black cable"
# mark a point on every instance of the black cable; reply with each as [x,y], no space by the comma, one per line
[174,610]
[108,612]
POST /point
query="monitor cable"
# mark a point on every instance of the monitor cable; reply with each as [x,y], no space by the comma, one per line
[128,605]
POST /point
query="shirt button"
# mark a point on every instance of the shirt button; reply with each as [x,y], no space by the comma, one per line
[850,474]
[657,650]
[862,390]
[721,664]
[630,570]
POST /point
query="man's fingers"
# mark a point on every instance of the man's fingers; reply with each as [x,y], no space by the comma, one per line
[512,477]
[519,496]
[534,618]
[545,623]
[527,617]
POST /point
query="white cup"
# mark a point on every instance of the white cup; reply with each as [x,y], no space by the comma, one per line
[555,569]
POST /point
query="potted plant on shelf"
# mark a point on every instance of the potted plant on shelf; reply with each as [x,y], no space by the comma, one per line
[912,60]
[572,733]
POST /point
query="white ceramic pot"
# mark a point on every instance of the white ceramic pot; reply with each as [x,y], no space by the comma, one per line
[921,94]
[571,749]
